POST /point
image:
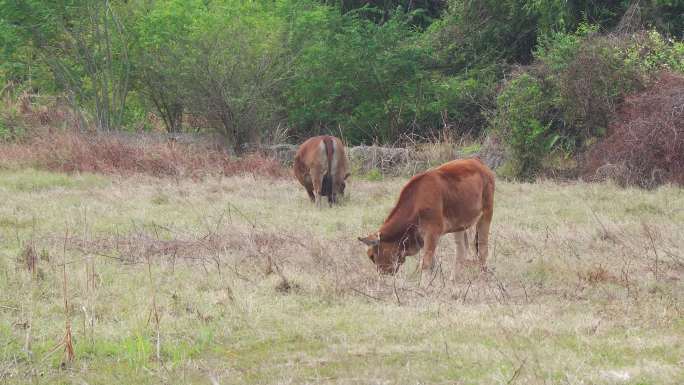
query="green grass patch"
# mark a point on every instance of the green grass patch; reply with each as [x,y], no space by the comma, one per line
[30,180]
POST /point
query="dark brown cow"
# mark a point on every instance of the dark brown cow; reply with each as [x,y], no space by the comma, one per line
[447,199]
[321,166]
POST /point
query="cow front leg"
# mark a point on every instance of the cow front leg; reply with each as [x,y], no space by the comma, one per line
[308,185]
[430,245]
[311,195]
[427,260]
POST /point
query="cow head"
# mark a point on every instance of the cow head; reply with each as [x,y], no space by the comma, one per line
[343,184]
[388,256]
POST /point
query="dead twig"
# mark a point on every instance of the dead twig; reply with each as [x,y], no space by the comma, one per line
[649,235]
[68,343]
[366,294]
[517,372]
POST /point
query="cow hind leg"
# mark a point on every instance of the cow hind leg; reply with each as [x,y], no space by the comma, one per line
[461,238]
[316,179]
[309,188]
[305,179]
[482,239]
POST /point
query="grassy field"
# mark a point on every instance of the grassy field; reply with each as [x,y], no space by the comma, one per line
[240,280]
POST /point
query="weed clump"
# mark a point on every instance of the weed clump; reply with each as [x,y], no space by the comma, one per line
[286,286]
[645,143]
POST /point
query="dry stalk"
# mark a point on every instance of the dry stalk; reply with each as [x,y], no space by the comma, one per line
[366,294]
[465,294]
[90,286]
[29,327]
[517,372]
[394,289]
[30,260]
[68,343]
[154,311]
[649,234]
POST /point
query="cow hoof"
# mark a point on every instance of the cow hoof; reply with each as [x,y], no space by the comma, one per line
[453,277]
[430,267]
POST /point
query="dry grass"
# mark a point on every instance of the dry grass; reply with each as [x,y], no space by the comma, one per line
[241,280]
[130,154]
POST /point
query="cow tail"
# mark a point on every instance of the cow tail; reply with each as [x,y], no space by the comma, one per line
[327,187]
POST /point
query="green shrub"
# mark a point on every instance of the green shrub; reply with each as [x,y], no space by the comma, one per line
[10,128]
[374,175]
[522,120]
[4,131]
[650,51]
[354,74]
[10,133]
[461,102]
[565,100]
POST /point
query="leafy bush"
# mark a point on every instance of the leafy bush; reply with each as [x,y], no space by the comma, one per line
[423,12]
[523,119]
[5,132]
[482,34]
[83,44]
[565,100]
[374,175]
[355,74]
[161,40]
[650,51]
[461,102]
[645,144]
[221,61]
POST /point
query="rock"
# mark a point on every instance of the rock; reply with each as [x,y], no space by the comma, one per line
[493,152]
[283,153]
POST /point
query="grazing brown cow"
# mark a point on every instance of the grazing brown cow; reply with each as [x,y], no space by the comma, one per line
[321,166]
[447,199]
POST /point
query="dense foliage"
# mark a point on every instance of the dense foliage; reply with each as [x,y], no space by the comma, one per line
[565,101]
[544,74]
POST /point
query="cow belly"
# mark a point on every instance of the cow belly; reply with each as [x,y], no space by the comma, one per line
[455,225]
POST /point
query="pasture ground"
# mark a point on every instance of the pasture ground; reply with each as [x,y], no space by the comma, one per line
[240,280]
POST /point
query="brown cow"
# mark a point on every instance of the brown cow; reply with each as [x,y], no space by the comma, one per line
[447,199]
[321,166]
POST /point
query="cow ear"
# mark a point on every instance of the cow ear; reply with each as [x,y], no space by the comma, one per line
[369,242]
[347,176]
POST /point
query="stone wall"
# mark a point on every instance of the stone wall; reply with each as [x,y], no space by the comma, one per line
[363,159]
[395,160]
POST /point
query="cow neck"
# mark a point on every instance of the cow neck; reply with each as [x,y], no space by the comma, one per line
[401,223]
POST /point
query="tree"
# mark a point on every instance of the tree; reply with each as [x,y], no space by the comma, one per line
[161,43]
[234,69]
[84,44]
[423,12]
[357,75]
